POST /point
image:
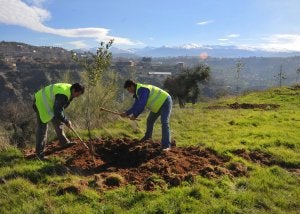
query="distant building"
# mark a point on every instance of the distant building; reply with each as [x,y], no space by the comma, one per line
[160,74]
[129,63]
[9,59]
[180,65]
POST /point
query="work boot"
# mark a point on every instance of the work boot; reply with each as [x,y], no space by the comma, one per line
[67,144]
[166,148]
[41,157]
[145,139]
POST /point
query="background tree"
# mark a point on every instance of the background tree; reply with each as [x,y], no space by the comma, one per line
[19,122]
[298,74]
[239,66]
[185,86]
[94,68]
[280,76]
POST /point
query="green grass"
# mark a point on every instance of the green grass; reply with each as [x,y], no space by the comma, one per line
[31,186]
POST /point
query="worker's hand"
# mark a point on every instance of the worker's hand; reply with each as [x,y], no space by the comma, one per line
[123,114]
[69,124]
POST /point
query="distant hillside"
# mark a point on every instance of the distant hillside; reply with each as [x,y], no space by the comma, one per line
[258,72]
[25,68]
[25,51]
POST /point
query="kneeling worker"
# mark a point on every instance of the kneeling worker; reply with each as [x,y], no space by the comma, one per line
[49,105]
[158,101]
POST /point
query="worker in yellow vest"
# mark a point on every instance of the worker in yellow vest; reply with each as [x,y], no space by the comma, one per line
[49,104]
[158,101]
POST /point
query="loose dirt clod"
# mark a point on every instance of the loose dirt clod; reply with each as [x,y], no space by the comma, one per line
[144,165]
[114,180]
[69,189]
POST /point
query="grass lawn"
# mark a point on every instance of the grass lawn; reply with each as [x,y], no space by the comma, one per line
[32,186]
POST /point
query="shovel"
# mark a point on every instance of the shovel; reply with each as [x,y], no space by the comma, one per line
[89,148]
[114,112]
[73,130]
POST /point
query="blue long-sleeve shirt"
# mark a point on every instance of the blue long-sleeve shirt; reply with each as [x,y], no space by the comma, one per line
[141,99]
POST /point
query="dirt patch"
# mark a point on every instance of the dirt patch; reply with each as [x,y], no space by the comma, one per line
[295,87]
[145,165]
[256,156]
[253,106]
[69,189]
[245,106]
[264,158]
[216,107]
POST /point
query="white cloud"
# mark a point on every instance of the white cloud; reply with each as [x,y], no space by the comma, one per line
[276,42]
[16,12]
[223,39]
[35,2]
[191,46]
[205,22]
[233,35]
[284,42]
[79,44]
[228,37]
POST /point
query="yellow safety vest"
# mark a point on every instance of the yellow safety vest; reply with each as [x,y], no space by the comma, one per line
[156,97]
[45,97]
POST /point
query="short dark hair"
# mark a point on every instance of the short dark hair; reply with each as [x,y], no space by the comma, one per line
[129,83]
[78,88]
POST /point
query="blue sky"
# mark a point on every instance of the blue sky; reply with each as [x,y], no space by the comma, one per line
[249,24]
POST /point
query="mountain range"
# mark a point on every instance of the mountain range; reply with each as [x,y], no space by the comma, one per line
[218,51]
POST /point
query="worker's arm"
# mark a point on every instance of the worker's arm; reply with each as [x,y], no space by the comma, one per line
[61,101]
[140,103]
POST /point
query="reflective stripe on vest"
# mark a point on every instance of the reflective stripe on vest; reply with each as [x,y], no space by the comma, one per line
[156,97]
[45,102]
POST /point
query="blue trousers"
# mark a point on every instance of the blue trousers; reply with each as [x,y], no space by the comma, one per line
[164,113]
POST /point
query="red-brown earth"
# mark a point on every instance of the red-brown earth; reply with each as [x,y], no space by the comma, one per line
[116,162]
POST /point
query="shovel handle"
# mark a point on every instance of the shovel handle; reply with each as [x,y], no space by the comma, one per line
[90,149]
[114,112]
[110,111]
[73,130]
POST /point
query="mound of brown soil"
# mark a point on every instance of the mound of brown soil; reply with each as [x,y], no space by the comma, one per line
[143,164]
[253,106]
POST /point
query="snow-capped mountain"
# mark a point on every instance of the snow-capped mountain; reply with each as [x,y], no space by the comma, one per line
[196,50]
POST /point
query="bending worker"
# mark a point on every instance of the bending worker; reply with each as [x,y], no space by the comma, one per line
[158,101]
[49,104]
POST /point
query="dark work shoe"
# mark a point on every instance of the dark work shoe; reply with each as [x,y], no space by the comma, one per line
[42,158]
[70,143]
[67,144]
[144,139]
[39,157]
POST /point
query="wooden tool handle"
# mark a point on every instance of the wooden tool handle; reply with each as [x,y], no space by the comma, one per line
[78,137]
[110,111]
[114,112]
